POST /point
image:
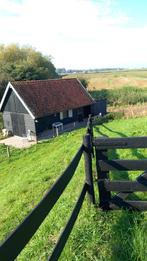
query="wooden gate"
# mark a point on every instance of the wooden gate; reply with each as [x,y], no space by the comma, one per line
[123,188]
[18,124]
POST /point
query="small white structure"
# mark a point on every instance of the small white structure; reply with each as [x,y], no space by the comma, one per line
[56,127]
[31,136]
[5,132]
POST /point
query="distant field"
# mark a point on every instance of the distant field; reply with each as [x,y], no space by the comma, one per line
[119,88]
[113,80]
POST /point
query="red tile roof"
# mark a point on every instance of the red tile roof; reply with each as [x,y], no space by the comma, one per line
[44,97]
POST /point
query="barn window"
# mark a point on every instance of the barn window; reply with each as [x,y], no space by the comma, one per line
[63,115]
[70,113]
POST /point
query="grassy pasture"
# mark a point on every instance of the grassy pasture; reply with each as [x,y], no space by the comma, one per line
[26,176]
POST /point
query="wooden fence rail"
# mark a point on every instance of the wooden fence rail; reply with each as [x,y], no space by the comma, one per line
[104,143]
[106,165]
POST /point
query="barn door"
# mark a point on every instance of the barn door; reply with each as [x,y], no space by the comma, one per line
[87,111]
[18,124]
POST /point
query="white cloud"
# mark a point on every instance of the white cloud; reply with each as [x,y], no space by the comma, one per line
[77,33]
[8,8]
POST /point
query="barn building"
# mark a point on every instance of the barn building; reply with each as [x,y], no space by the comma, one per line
[33,106]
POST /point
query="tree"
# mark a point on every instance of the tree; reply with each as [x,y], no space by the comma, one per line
[84,82]
[24,63]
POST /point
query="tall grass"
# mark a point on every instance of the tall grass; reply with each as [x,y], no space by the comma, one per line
[122,96]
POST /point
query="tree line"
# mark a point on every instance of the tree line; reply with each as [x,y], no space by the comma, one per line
[23,63]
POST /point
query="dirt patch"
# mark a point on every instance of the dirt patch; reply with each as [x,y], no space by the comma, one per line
[17,142]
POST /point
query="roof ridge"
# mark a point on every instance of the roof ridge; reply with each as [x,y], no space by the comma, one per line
[45,80]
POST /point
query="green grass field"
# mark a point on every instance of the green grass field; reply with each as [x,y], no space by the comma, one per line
[27,175]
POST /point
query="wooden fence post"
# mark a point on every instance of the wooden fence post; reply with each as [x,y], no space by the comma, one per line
[104,195]
[90,131]
[8,152]
[91,125]
[88,166]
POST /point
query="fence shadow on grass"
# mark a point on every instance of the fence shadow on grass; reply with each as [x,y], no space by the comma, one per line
[122,231]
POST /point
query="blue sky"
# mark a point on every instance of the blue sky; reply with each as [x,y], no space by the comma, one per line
[79,33]
[135,9]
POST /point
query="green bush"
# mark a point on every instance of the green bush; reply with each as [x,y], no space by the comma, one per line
[108,117]
[115,115]
[122,96]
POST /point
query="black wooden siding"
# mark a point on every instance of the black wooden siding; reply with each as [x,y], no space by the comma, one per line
[99,107]
[46,122]
[15,117]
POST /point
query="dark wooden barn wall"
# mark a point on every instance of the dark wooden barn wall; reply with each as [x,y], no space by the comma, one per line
[15,117]
[46,122]
[99,107]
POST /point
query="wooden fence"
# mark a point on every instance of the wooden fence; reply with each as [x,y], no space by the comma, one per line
[15,243]
[123,188]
